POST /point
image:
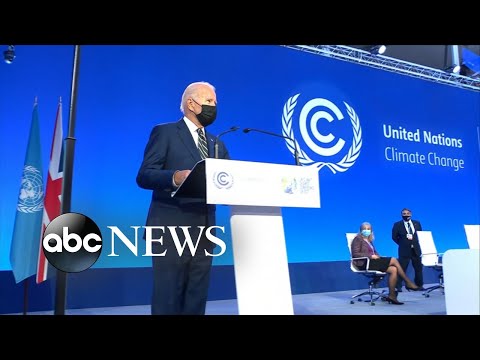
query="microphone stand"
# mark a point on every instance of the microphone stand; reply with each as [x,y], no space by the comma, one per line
[215,146]
[297,160]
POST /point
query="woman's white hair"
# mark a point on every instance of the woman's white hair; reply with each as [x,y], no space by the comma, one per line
[364,224]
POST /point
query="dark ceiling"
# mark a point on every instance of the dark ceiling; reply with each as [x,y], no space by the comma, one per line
[434,56]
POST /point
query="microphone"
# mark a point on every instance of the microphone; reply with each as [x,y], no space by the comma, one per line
[297,161]
[215,146]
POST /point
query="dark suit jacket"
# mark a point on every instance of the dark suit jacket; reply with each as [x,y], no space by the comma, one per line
[399,235]
[360,248]
[171,147]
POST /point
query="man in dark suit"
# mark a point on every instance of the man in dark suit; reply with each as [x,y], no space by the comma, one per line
[180,282]
[404,233]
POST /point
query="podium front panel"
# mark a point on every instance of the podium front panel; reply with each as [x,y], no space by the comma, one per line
[232,182]
[260,256]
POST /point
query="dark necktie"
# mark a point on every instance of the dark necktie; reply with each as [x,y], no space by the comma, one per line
[409,228]
[202,144]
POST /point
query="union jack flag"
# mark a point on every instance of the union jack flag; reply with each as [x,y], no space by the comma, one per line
[53,193]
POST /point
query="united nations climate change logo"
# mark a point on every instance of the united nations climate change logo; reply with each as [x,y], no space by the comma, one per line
[30,199]
[222,180]
[308,124]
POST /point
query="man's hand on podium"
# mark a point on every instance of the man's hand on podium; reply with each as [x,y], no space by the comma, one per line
[180,176]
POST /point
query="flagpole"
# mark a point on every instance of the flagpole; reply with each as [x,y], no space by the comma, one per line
[25,296]
[61,282]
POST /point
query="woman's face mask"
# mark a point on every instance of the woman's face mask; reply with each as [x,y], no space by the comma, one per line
[366,233]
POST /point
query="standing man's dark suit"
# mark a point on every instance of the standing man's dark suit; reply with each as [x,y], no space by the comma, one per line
[180,283]
[408,250]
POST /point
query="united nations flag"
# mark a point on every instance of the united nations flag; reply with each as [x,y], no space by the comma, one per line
[28,220]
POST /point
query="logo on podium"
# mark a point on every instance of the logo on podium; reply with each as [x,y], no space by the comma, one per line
[222,179]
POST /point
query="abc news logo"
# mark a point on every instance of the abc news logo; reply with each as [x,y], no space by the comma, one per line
[72,242]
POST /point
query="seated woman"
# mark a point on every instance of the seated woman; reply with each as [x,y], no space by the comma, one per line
[362,246]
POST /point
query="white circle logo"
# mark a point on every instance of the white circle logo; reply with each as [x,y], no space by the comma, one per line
[30,198]
[348,160]
[222,180]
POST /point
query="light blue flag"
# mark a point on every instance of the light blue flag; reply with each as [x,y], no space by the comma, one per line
[28,220]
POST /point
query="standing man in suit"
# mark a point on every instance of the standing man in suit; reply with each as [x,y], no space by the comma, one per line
[404,233]
[180,282]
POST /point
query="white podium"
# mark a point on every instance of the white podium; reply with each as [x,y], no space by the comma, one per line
[461,276]
[256,192]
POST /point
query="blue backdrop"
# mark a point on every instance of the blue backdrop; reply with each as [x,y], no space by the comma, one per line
[381,141]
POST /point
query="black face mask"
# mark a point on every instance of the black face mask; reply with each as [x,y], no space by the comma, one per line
[208,114]
[406,218]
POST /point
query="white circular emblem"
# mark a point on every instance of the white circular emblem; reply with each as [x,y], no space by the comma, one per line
[222,180]
[347,161]
[30,198]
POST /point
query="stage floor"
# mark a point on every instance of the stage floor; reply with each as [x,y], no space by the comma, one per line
[328,303]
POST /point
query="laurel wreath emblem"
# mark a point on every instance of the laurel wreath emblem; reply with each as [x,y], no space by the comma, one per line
[345,163]
[31,171]
[29,209]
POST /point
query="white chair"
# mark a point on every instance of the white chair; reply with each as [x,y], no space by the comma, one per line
[473,236]
[373,276]
[431,258]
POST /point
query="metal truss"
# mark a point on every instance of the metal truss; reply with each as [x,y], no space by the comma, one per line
[363,57]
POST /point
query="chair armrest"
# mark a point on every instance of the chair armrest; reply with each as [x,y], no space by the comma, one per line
[439,257]
[438,254]
[361,258]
